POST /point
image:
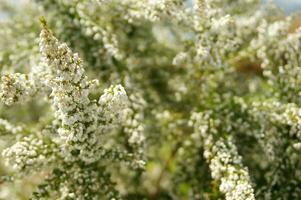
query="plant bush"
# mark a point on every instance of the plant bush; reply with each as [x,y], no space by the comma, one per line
[149,99]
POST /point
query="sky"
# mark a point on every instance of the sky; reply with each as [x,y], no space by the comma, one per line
[289,5]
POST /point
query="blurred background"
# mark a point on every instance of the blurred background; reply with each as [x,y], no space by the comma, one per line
[289,5]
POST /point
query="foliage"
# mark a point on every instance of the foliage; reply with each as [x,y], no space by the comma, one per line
[181,102]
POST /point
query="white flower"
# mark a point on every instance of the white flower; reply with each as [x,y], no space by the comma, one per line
[16,88]
[82,120]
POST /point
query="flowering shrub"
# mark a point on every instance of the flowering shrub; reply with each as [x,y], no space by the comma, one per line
[161,101]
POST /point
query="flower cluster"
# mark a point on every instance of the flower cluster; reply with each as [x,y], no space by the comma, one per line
[276,114]
[76,138]
[30,153]
[154,10]
[7,128]
[16,88]
[91,182]
[133,124]
[280,66]
[85,20]
[224,162]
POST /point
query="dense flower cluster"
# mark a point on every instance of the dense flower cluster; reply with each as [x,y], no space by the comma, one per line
[79,122]
[30,153]
[187,100]
[224,162]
